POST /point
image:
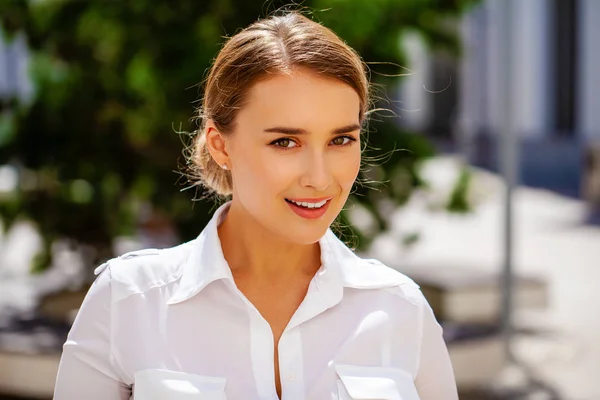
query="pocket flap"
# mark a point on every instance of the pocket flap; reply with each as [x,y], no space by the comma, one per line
[376,383]
[155,384]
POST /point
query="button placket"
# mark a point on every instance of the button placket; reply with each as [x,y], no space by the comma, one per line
[261,339]
[291,365]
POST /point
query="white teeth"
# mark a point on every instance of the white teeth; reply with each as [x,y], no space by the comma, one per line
[309,205]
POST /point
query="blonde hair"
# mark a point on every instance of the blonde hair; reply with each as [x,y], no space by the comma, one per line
[272,45]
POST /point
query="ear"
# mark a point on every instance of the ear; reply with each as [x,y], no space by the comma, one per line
[216,144]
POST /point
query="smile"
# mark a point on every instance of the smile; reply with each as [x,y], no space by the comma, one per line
[306,204]
[309,208]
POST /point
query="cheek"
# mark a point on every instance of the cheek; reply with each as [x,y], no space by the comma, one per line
[259,173]
[349,168]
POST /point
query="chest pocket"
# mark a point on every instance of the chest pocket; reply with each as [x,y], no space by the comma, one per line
[374,383]
[155,384]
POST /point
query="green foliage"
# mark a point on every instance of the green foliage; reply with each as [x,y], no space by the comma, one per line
[459,198]
[113,78]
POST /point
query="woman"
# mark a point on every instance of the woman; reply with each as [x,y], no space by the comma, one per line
[266,303]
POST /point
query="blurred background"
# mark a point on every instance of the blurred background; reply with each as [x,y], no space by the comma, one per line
[487,160]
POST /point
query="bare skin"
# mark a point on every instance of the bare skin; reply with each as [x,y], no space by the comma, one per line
[273,252]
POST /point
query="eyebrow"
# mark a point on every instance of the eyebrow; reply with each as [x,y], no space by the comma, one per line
[299,131]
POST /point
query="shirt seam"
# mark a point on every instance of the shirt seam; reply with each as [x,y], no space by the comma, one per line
[420,327]
[150,286]
[398,291]
[113,359]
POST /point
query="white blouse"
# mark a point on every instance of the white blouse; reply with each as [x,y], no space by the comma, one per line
[171,324]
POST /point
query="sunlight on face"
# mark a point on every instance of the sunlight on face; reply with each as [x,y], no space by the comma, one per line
[297,139]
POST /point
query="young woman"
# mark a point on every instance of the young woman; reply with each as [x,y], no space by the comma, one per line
[266,303]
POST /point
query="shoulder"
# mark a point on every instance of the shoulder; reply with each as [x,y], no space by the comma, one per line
[368,273]
[141,270]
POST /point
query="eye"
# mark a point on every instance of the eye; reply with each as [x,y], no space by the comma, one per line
[284,143]
[343,140]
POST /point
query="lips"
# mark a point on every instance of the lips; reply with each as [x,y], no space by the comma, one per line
[309,204]
[309,208]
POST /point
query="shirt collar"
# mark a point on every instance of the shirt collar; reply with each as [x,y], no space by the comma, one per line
[340,267]
[205,263]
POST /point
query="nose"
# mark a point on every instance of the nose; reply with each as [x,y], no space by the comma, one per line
[317,172]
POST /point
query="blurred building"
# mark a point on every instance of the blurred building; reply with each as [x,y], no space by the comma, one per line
[14,64]
[555,101]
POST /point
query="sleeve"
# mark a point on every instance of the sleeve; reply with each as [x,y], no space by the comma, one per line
[435,376]
[86,369]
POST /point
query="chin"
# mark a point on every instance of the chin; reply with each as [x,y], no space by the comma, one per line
[307,239]
[307,230]
[292,228]
[304,234]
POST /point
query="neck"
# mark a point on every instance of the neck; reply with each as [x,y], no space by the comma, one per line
[254,252]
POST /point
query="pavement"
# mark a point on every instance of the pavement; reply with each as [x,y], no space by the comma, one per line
[552,240]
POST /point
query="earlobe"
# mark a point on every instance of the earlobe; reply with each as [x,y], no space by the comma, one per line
[216,144]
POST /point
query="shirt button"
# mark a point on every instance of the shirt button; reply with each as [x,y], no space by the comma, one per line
[291,377]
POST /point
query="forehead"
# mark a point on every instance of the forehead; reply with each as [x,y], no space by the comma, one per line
[301,98]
